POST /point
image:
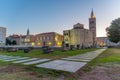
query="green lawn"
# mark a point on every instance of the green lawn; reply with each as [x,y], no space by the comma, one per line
[3,63]
[53,55]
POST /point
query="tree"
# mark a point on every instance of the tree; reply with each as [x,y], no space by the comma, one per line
[14,42]
[113,31]
[8,41]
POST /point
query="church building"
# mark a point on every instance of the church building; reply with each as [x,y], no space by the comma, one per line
[79,36]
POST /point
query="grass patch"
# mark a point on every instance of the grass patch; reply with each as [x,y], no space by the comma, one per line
[111,56]
[4,63]
[54,55]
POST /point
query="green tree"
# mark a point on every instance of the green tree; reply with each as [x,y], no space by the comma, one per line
[113,31]
[14,42]
[8,41]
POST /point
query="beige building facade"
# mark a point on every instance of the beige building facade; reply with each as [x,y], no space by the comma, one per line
[78,36]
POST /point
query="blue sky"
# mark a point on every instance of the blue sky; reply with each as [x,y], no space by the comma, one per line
[55,15]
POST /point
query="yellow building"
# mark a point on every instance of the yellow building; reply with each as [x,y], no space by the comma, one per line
[49,39]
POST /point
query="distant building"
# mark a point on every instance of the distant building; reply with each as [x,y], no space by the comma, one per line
[104,41]
[21,39]
[49,39]
[2,36]
[78,36]
[27,38]
[32,40]
[15,37]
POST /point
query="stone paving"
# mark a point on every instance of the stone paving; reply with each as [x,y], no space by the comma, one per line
[16,59]
[24,60]
[7,57]
[11,58]
[35,62]
[71,66]
[85,57]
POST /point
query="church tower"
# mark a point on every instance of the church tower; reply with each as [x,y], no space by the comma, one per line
[28,33]
[92,26]
[27,38]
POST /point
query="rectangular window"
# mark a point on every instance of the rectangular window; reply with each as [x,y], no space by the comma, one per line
[51,37]
[37,38]
[44,38]
[40,38]
[47,37]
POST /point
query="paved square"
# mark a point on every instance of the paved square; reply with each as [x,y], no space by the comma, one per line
[35,62]
[69,66]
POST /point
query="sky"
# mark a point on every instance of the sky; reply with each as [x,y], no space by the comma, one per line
[56,15]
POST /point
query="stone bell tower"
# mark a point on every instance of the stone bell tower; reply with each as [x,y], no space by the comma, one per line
[92,26]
